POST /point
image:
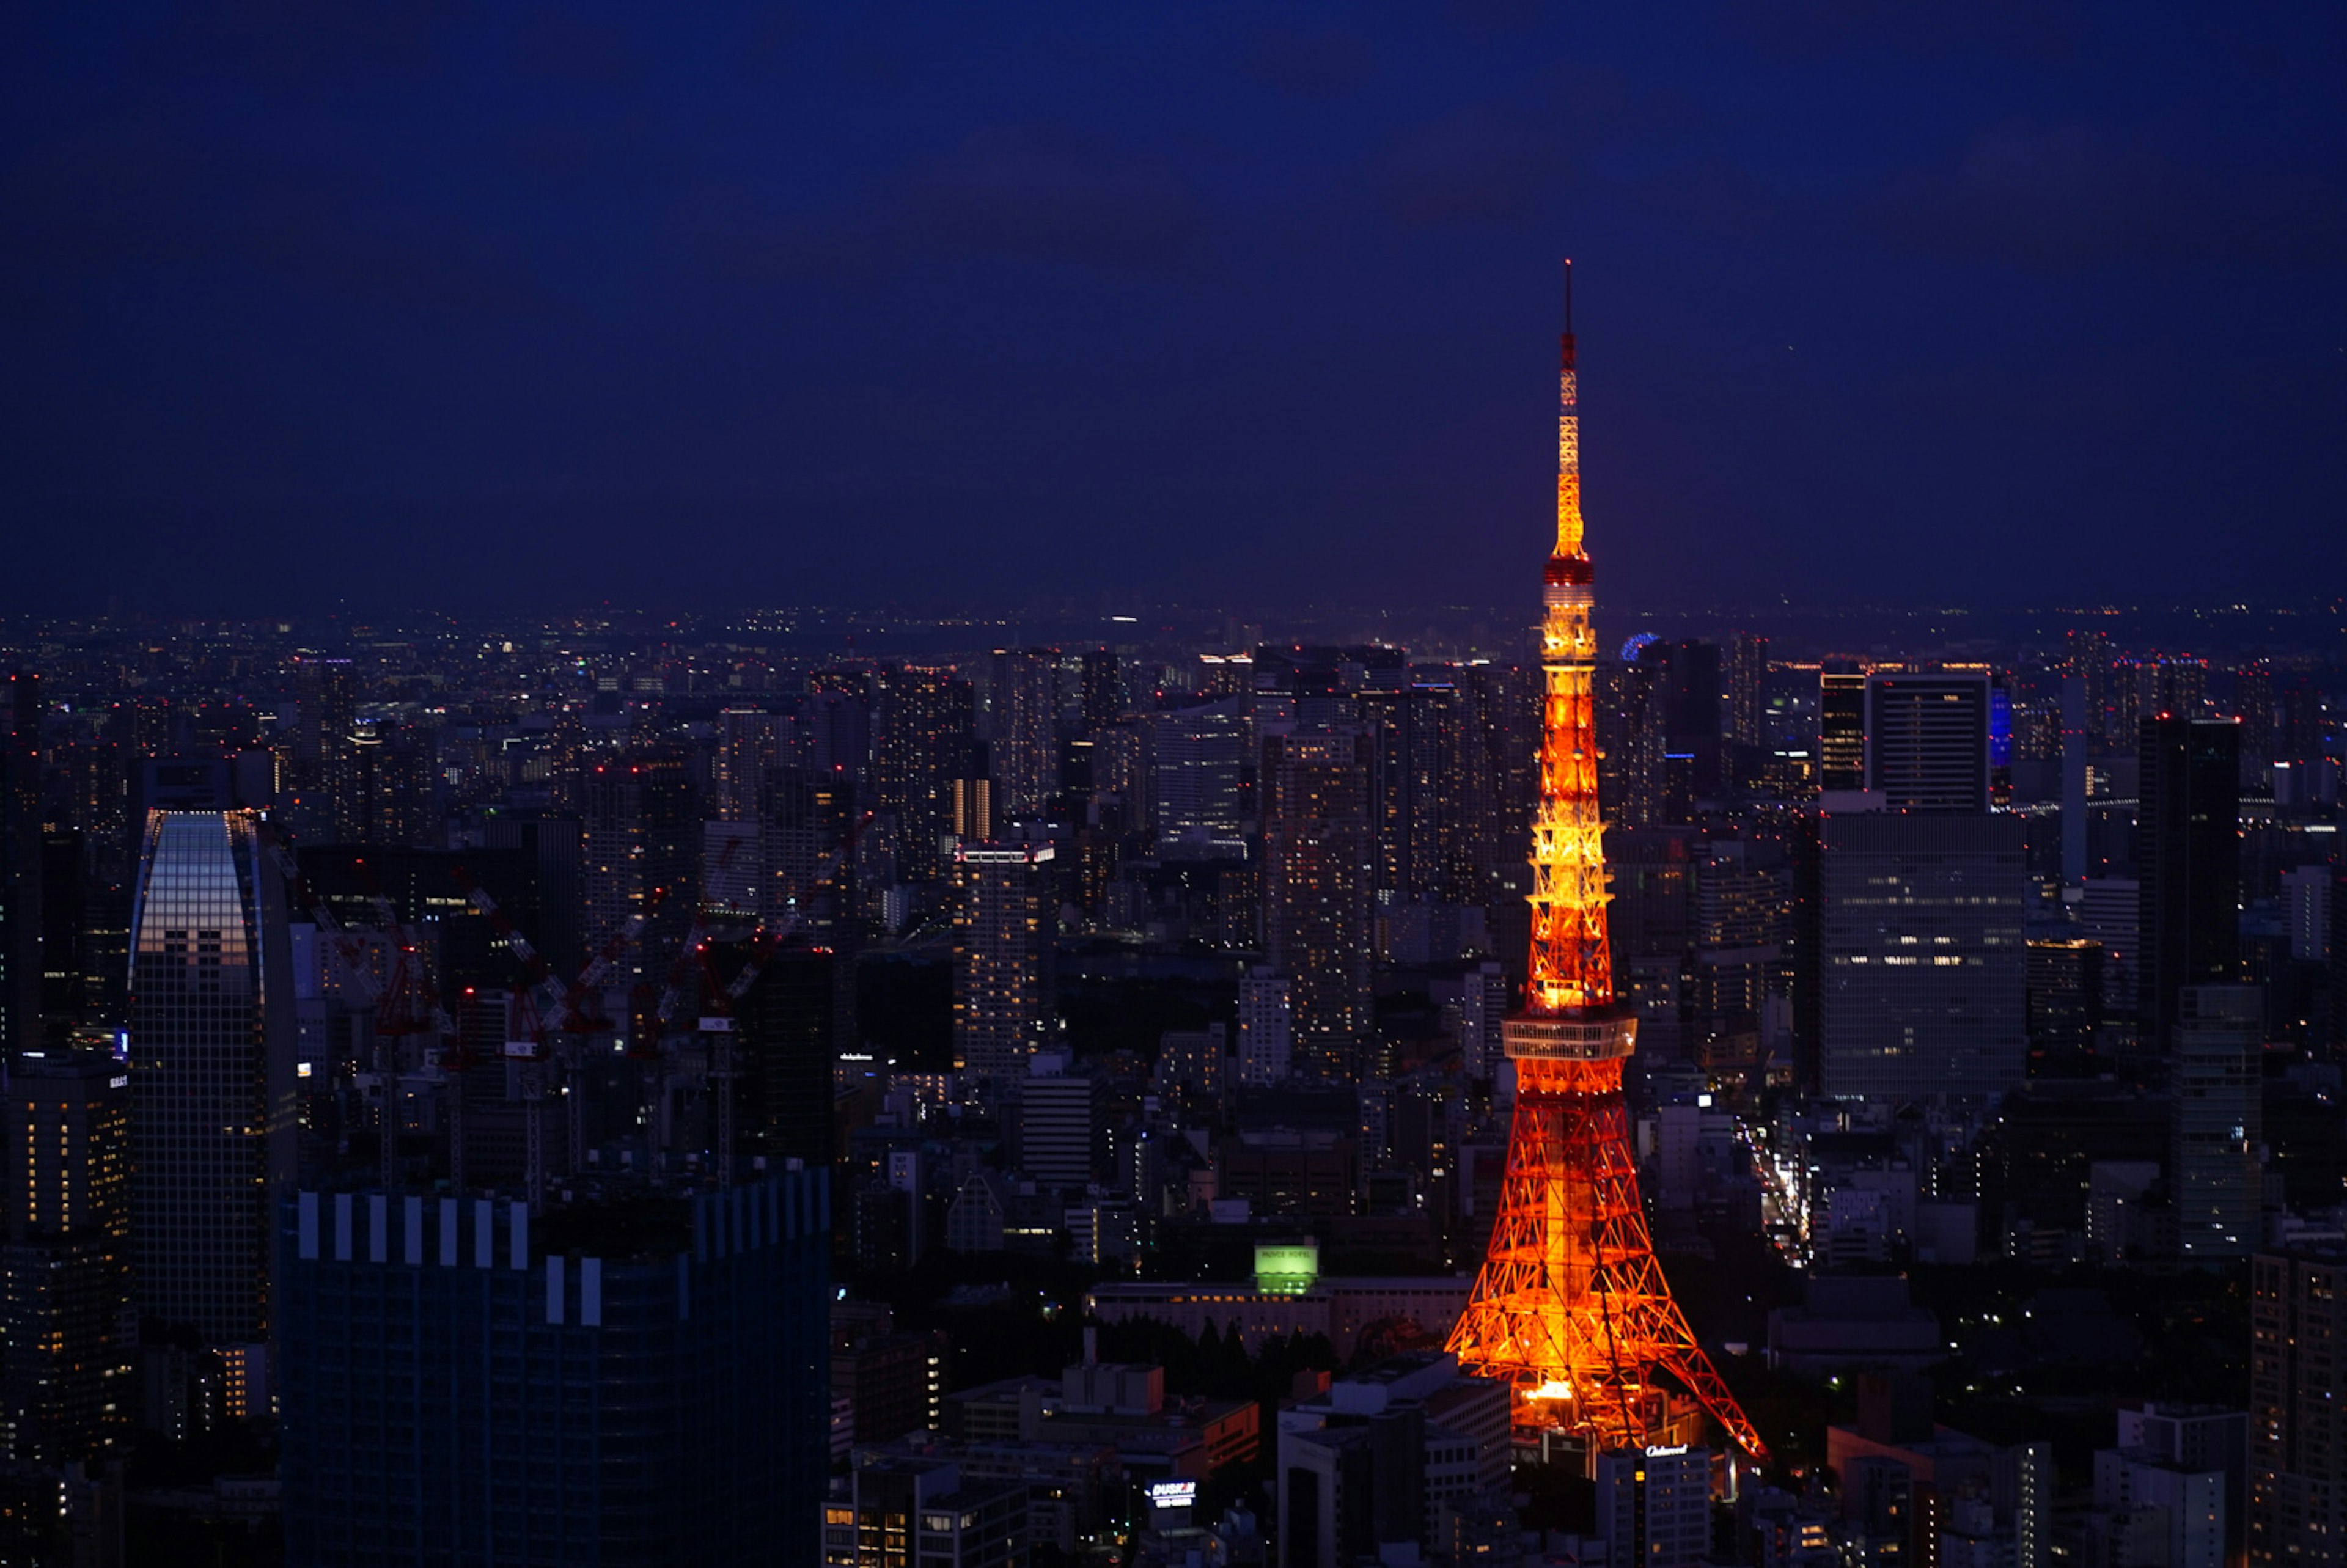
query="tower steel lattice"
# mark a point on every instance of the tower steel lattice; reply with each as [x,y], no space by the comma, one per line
[1571,1305]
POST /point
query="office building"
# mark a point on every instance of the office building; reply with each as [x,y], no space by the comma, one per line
[467,1380]
[65,1391]
[2307,913]
[1366,1467]
[2215,1083]
[1747,687]
[1197,756]
[1841,730]
[779,1049]
[1022,729]
[1654,1505]
[1316,893]
[1266,1029]
[916,1512]
[1923,987]
[1006,925]
[2066,993]
[1927,741]
[20,863]
[212,1067]
[2188,855]
[1059,1121]
[2170,1491]
[1484,999]
[2298,1400]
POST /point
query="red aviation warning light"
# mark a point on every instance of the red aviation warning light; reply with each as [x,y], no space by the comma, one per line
[1571,1305]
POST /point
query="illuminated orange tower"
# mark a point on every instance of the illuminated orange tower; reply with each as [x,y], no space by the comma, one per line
[1571,1305]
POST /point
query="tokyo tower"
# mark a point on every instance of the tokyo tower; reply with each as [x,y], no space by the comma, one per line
[1571,1305]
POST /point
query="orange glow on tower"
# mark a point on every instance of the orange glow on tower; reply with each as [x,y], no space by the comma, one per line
[1571,1305]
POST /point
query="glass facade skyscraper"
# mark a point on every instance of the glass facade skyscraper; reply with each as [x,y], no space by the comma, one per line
[213,1072]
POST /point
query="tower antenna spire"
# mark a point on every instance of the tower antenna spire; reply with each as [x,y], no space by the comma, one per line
[1568,296]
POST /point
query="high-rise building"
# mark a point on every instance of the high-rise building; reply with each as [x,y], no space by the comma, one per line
[1411,788]
[641,841]
[2066,993]
[1022,729]
[1266,1038]
[387,792]
[1317,892]
[1654,1505]
[2307,912]
[1630,742]
[65,1389]
[1922,965]
[1006,925]
[928,741]
[750,740]
[2216,1083]
[1104,698]
[1841,729]
[1927,741]
[2298,1409]
[20,863]
[1483,1000]
[807,835]
[212,1073]
[1197,758]
[636,1381]
[2188,854]
[1059,1121]
[1747,687]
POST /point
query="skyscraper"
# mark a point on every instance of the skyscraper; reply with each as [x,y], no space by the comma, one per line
[633,1381]
[2216,1097]
[1006,922]
[65,1271]
[20,863]
[1841,729]
[1023,728]
[2188,859]
[641,838]
[1266,1029]
[1315,892]
[212,1039]
[1747,687]
[1927,741]
[1923,966]
[2298,1403]
[929,740]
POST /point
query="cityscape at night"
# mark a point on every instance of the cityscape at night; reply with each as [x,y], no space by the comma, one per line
[856,787]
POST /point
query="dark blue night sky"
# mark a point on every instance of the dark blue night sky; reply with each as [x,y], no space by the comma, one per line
[489,304]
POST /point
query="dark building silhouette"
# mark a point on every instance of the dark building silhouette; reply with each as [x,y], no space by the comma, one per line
[20,863]
[2189,858]
[634,1381]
